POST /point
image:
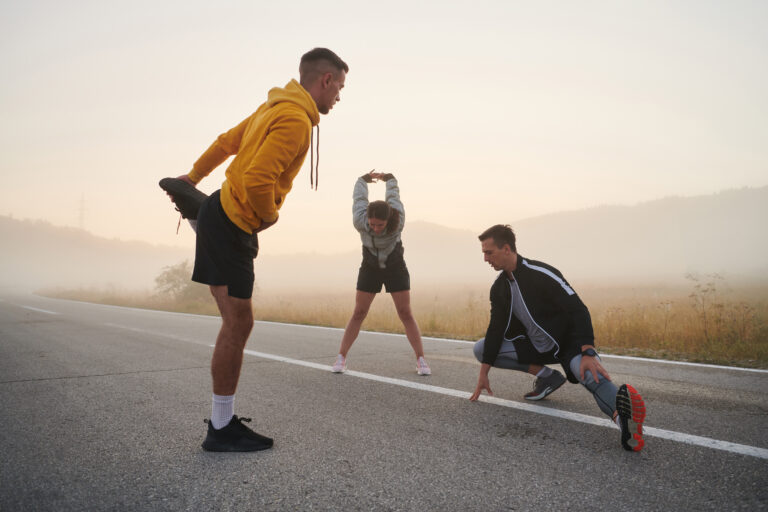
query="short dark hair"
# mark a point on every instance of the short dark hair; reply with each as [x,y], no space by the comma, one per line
[501,234]
[382,210]
[318,61]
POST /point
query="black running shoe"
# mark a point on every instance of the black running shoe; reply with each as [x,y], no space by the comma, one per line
[544,386]
[187,197]
[631,410]
[235,437]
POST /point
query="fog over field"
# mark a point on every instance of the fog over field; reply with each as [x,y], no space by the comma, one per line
[653,242]
[536,114]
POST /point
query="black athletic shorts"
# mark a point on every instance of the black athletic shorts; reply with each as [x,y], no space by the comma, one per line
[394,276]
[224,253]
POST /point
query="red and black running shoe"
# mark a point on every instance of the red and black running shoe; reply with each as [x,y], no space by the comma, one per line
[631,410]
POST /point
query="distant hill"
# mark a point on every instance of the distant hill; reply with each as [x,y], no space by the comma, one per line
[663,239]
[654,241]
[38,254]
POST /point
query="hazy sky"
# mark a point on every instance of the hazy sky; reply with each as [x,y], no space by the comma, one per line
[486,111]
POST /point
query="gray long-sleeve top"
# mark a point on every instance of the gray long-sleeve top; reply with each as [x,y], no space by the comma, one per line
[381,246]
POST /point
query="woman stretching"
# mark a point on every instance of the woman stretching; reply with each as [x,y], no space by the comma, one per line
[380,224]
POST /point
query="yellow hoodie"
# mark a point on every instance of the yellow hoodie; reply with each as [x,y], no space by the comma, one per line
[270,146]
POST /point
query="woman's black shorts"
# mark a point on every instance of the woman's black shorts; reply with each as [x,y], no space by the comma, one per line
[395,278]
[224,253]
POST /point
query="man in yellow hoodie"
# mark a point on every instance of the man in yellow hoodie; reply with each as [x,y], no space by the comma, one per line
[269,147]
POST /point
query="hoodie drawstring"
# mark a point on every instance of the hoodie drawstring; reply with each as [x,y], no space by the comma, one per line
[312,166]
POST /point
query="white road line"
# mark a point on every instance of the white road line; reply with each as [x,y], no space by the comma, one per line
[706,442]
[427,338]
[153,333]
[685,363]
[39,310]
[465,342]
[140,310]
[670,435]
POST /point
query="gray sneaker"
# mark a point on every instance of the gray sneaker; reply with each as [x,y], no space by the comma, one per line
[543,386]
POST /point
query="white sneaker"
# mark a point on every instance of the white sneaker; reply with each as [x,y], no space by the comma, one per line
[422,368]
[340,366]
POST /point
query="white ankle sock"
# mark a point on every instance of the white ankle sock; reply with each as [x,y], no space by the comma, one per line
[544,372]
[222,411]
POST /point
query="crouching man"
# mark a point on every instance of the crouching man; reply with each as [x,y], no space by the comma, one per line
[537,319]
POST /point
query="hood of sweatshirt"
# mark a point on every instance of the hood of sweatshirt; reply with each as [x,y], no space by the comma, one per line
[293,92]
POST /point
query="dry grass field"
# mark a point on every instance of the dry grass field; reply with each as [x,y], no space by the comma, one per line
[704,320]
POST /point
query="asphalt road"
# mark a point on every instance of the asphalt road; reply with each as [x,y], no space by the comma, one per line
[103,408]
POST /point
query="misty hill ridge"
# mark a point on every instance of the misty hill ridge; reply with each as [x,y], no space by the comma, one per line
[38,254]
[723,232]
[656,240]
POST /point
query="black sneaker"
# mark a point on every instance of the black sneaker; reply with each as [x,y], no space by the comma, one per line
[543,386]
[187,197]
[631,409]
[235,437]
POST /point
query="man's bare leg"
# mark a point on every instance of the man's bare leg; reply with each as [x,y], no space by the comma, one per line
[236,325]
[226,432]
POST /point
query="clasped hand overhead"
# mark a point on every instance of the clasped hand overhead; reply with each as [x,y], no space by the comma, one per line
[372,176]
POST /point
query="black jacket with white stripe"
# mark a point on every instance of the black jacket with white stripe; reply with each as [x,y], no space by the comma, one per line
[553,306]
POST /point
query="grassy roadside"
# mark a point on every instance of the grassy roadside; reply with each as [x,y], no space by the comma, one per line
[705,322]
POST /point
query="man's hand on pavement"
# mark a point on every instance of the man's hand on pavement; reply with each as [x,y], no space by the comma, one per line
[483,383]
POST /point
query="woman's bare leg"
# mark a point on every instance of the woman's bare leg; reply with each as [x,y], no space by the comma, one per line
[363,302]
[402,302]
